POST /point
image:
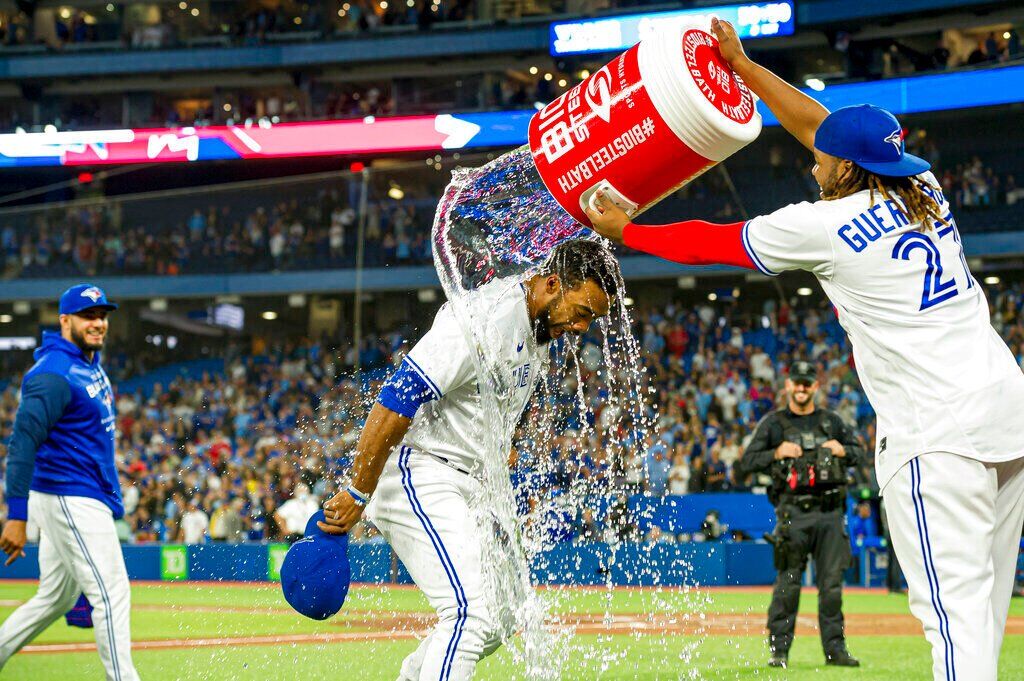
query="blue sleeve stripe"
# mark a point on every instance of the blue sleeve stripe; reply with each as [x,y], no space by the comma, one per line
[389,400]
[750,252]
[422,374]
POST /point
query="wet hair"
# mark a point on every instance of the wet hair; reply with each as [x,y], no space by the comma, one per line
[915,204]
[576,261]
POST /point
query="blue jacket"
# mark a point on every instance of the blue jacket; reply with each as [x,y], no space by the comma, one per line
[64,431]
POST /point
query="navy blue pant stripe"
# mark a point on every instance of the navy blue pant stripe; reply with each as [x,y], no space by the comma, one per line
[99,581]
[446,563]
[929,567]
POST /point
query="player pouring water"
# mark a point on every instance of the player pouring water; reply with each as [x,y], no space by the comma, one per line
[950,445]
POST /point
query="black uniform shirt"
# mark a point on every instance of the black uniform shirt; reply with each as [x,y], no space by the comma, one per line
[770,433]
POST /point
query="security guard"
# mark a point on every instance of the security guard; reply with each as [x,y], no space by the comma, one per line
[807,452]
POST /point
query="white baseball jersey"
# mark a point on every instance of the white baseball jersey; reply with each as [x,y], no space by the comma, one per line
[938,375]
[450,426]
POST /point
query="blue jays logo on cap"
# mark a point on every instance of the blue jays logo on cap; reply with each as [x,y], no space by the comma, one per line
[92,293]
[83,297]
[896,139]
[870,137]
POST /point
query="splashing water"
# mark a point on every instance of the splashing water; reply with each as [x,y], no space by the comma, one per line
[499,221]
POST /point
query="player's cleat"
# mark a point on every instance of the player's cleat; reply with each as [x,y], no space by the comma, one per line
[779,660]
[841,657]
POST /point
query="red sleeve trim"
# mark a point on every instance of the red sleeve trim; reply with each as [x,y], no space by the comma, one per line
[691,242]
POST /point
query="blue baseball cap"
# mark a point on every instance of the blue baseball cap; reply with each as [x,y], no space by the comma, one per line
[870,137]
[82,297]
[315,573]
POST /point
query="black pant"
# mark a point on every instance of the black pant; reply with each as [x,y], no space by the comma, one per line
[821,535]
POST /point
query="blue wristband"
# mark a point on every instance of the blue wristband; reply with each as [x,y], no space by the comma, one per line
[361,499]
[17,508]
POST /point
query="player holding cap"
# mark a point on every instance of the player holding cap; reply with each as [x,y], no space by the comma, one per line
[61,473]
[885,248]
[418,455]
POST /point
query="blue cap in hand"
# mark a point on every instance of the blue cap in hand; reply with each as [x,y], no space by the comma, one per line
[870,137]
[315,573]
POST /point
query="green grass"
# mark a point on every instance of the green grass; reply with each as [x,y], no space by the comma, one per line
[170,612]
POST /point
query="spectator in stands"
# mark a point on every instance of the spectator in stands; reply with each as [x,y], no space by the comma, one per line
[863,526]
[293,514]
[194,523]
[679,474]
[657,464]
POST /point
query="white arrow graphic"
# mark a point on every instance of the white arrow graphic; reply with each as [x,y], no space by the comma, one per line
[458,131]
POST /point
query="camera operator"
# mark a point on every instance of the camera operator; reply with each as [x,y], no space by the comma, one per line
[806,451]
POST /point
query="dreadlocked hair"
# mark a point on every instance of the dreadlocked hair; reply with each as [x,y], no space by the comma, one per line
[915,204]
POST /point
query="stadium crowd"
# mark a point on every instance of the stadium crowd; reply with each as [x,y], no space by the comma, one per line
[245,454]
[236,233]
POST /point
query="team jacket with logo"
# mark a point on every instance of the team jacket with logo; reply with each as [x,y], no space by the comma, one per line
[64,431]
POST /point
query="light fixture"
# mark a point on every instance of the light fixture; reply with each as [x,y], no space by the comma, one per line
[736,292]
[712,297]
[548,76]
[227,106]
[182,5]
[195,11]
[992,280]
[110,7]
[803,291]
[346,7]
[1006,35]
[816,84]
[628,302]
[533,70]
[65,13]
[297,20]
[297,300]
[562,82]
[50,128]
[384,4]
[22,307]
[584,74]
[269,315]
[395,192]
[369,120]
[6,319]
[341,12]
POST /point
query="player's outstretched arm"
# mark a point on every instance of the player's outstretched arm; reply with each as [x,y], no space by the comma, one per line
[383,431]
[799,114]
[691,242]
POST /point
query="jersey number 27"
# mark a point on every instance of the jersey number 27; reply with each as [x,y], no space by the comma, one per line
[935,289]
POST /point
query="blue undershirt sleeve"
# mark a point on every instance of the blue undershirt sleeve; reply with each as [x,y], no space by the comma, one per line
[43,400]
[406,391]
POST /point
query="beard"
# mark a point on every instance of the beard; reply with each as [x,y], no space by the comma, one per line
[83,344]
[542,325]
[828,189]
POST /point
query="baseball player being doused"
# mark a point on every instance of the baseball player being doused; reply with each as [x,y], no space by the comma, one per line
[418,455]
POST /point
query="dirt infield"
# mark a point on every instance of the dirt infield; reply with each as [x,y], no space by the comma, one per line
[366,626]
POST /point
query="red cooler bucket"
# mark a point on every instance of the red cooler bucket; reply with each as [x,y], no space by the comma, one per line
[645,124]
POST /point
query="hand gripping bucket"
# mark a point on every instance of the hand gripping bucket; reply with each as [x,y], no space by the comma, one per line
[659,115]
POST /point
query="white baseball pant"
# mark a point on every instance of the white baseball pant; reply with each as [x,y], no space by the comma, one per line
[78,553]
[956,526]
[420,508]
